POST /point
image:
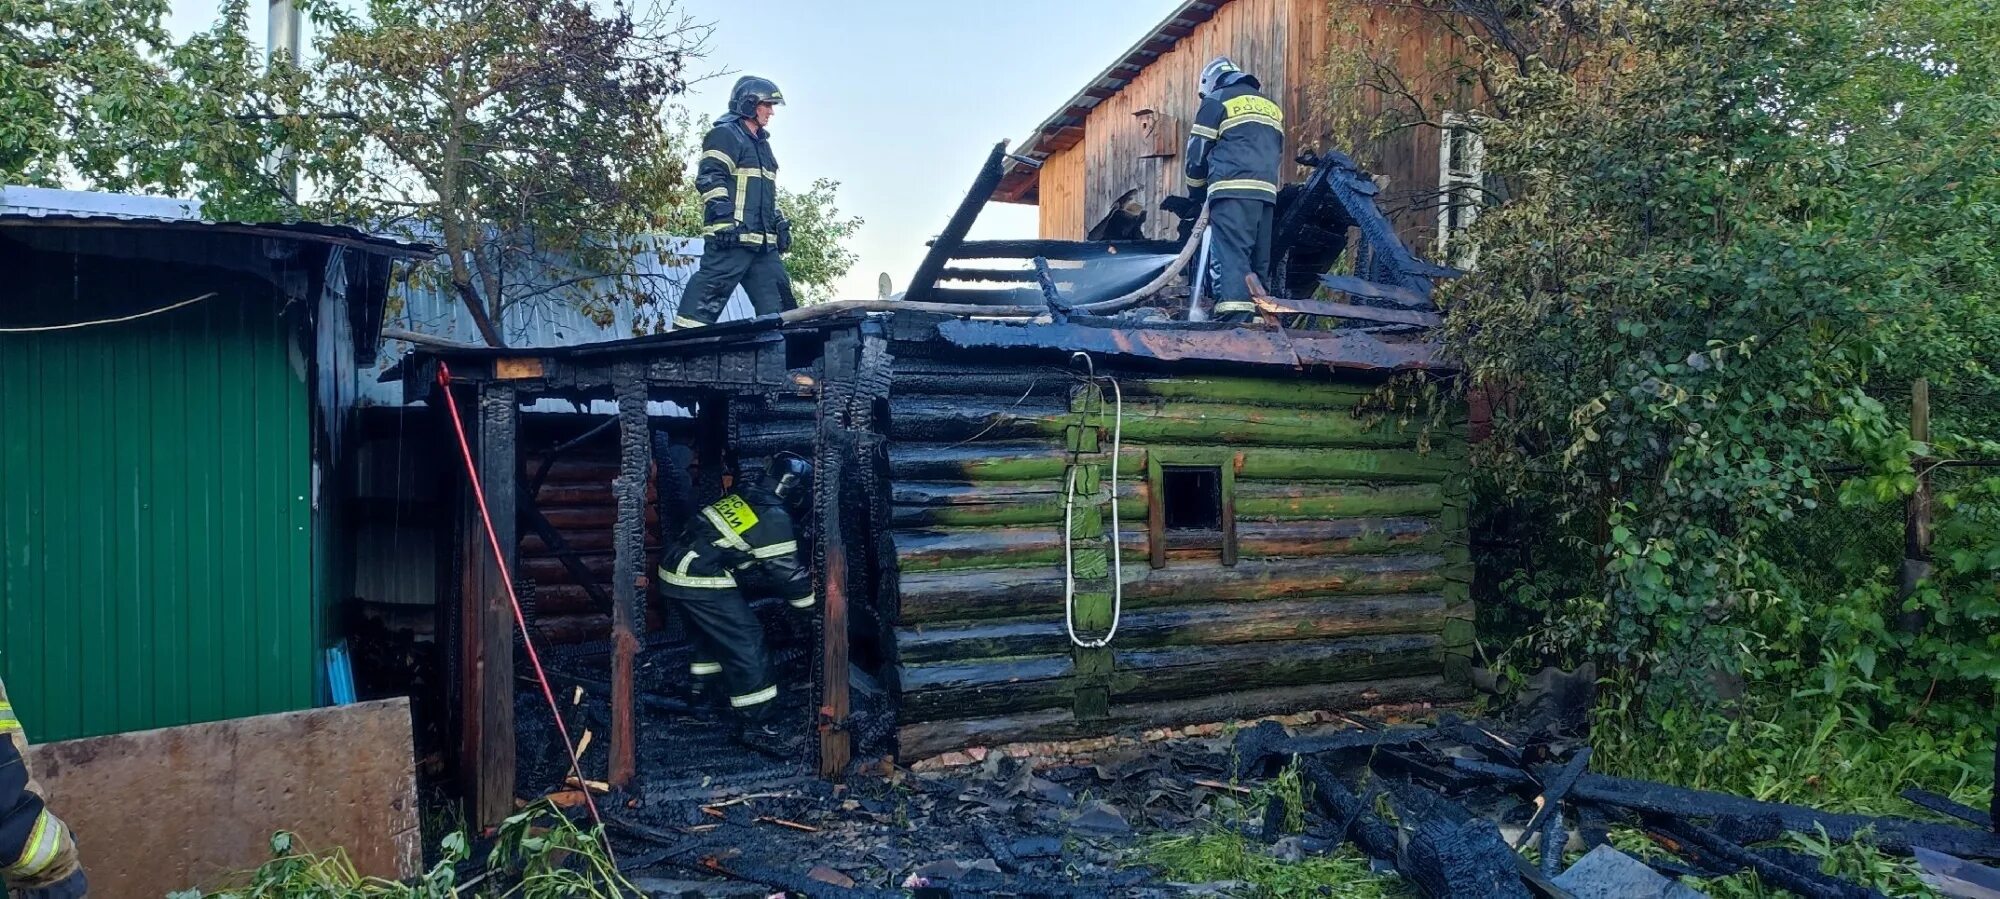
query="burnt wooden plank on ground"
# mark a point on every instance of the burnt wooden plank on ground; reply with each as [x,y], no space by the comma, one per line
[1896,835]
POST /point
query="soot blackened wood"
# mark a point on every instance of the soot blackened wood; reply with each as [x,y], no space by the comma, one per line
[635,441]
[946,246]
[1201,670]
[1710,850]
[1554,792]
[955,419]
[1447,852]
[1262,748]
[974,689]
[572,562]
[1944,805]
[1205,625]
[1064,250]
[487,650]
[1041,460]
[1888,834]
[836,454]
[1351,817]
[1008,593]
[923,739]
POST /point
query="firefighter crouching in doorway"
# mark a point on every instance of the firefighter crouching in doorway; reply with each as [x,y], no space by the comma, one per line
[744,236]
[36,850]
[1233,154]
[744,546]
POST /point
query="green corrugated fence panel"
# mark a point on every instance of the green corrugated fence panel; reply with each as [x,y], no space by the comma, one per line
[155,524]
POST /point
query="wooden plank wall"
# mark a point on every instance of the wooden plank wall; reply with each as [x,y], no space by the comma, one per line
[1252,32]
[1421,52]
[1286,44]
[1350,556]
[1062,204]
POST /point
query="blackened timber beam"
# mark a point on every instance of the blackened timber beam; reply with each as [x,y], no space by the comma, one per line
[839,386]
[1895,835]
[1063,250]
[635,455]
[486,650]
[946,246]
[969,296]
[1277,306]
[1024,275]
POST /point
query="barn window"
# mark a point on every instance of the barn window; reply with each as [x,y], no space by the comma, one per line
[1461,191]
[1192,497]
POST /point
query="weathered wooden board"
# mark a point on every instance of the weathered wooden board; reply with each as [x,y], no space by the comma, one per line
[1212,624]
[162,810]
[1043,460]
[931,738]
[935,596]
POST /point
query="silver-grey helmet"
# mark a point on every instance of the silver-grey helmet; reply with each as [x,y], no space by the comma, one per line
[1215,76]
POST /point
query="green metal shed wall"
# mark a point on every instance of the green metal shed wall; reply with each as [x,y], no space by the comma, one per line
[156,554]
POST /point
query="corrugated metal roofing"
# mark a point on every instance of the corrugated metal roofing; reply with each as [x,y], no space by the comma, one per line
[428,307]
[156,514]
[46,207]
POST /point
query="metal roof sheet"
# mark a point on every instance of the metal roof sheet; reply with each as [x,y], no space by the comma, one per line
[47,207]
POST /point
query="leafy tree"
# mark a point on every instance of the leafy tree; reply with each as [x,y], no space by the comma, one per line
[536,142]
[1726,234]
[516,132]
[101,93]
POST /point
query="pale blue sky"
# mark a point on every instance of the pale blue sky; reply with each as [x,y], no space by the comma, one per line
[899,100]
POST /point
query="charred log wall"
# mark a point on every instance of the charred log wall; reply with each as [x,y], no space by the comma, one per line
[1335,575]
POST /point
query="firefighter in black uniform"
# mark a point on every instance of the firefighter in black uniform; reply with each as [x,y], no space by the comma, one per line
[743,233]
[744,546]
[37,853]
[1233,154]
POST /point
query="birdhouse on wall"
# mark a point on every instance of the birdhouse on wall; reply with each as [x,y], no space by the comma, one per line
[1161,134]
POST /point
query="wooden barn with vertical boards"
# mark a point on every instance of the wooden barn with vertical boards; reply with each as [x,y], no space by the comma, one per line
[1125,129]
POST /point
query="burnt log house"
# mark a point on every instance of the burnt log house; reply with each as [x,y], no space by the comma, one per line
[1269,549]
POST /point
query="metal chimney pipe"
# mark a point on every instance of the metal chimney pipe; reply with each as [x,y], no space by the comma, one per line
[282,32]
[282,35]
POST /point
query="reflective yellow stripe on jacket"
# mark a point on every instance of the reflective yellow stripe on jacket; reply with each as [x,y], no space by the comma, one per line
[40,850]
[1244,184]
[679,577]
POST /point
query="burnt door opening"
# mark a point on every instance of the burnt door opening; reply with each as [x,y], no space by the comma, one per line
[1192,497]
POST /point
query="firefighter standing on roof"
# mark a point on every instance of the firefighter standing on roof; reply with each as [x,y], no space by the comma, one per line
[37,855]
[1233,155]
[743,233]
[742,547]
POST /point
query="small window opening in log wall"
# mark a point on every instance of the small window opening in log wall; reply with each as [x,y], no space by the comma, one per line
[1192,497]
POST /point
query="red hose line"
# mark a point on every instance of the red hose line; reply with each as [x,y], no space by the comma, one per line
[514,599]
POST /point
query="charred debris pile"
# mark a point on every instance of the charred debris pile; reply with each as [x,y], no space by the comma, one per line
[1451,807]
[1455,808]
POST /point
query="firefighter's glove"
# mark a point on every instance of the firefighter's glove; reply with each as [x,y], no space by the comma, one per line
[784,234]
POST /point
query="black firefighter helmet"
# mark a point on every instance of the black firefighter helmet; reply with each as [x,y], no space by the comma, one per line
[790,477]
[751,90]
